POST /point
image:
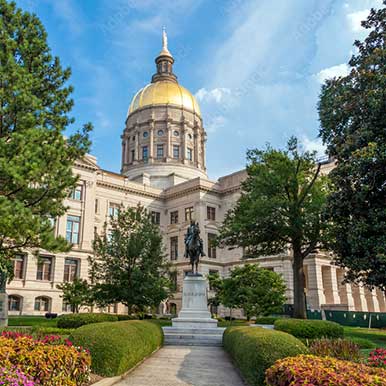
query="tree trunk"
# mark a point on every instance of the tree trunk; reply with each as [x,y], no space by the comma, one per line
[299,285]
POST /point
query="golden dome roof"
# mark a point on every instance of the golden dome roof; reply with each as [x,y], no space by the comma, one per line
[164,92]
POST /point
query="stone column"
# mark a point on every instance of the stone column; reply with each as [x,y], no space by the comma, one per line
[381,300]
[151,138]
[195,145]
[330,285]
[371,300]
[183,140]
[3,310]
[315,291]
[169,147]
[359,298]
[345,292]
[137,146]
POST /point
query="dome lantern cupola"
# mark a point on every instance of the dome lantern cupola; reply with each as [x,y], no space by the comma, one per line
[164,62]
[163,143]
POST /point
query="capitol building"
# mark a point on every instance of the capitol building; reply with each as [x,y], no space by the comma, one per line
[163,168]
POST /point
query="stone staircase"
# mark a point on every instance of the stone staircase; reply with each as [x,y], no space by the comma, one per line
[193,336]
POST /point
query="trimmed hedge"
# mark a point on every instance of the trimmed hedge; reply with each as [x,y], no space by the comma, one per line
[78,320]
[316,371]
[266,320]
[117,347]
[310,329]
[255,349]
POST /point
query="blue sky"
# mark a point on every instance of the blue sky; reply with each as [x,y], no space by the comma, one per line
[256,66]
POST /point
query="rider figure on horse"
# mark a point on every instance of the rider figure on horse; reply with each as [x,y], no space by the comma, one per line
[189,235]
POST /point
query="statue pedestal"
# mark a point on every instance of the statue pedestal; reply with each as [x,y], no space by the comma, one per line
[194,312]
[194,325]
[3,310]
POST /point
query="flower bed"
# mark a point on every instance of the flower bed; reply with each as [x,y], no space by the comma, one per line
[377,358]
[50,361]
[317,371]
[336,348]
[13,376]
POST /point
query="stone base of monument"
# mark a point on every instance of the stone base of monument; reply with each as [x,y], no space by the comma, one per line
[194,325]
[3,310]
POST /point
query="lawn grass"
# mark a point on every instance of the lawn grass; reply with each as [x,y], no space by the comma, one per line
[376,335]
[22,321]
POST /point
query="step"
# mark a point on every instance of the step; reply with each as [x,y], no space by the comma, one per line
[193,336]
[201,331]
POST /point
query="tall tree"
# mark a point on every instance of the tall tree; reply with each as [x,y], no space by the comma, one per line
[256,290]
[76,294]
[35,159]
[280,207]
[128,265]
[353,125]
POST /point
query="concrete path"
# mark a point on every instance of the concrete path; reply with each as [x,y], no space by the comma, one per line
[185,366]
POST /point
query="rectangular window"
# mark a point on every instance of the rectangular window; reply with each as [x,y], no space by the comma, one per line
[156,218]
[96,206]
[76,193]
[132,155]
[211,245]
[145,153]
[211,213]
[44,271]
[72,229]
[114,210]
[71,270]
[18,267]
[176,152]
[189,154]
[174,248]
[174,217]
[160,151]
[66,307]
[189,212]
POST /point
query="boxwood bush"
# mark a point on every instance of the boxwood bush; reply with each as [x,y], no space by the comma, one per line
[255,349]
[78,320]
[266,319]
[310,329]
[117,347]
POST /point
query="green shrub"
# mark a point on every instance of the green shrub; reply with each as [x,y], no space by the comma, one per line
[44,331]
[310,329]
[266,319]
[336,348]
[255,349]
[117,347]
[122,317]
[78,320]
[362,342]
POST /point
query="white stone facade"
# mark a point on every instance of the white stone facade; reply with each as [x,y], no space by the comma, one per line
[174,185]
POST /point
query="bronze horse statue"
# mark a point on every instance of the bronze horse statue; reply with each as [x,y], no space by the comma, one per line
[194,246]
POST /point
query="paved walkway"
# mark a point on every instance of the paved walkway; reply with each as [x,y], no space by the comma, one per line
[185,366]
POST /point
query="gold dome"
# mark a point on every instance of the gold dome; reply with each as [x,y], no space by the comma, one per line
[164,92]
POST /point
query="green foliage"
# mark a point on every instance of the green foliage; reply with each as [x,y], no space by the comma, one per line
[35,159]
[77,294]
[281,204]
[255,349]
[78,320]
[129,265]
[256,290]
[41,332]
[362,343]
[266,319]
[336,348]
[117,347]
[17,321]
[310,329]
[377,336]
[352,112]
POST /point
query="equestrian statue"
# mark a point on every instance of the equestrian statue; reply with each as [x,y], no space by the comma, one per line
[193,245]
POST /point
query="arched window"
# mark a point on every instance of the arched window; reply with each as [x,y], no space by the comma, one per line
[173,308]
[42,304]
[14,303]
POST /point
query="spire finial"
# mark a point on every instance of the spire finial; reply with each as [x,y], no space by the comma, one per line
[164,39]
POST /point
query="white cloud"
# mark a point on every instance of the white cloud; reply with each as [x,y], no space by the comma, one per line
[355,19]
[215,123]
[331,72]
[313,145]
[216,95]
